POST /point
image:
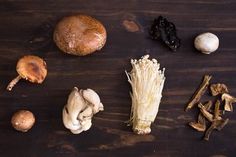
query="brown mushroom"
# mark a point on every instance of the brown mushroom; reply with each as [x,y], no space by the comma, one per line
[23,120]
[80,35]
[229,100]
[31,68]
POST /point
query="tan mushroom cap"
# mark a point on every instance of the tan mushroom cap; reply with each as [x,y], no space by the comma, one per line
[23,120]
[32,68]
[80,35]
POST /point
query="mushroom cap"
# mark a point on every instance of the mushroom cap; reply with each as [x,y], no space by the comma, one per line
[206,43]
[80,35]
[32,68]
[23,120]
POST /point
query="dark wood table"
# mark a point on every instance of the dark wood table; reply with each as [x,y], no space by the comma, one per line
[23,21]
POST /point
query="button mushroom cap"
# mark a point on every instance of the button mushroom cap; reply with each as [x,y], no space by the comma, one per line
[31,68]
[23,120]
[206,43]
[80,35]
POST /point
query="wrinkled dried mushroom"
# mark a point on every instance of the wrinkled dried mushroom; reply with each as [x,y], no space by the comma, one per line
[218,88]
[229,100]
[23,120]
[165,31]
[31,68]
[198,94]
[80,108]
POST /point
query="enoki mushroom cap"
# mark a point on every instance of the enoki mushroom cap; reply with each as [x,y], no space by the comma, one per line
[32,68]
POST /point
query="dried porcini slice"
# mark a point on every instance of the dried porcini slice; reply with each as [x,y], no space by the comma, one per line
[198,94]
[229,100]
[200,125]
[206,113]
[218,88]
[31,68]
[217,122]
[166,31]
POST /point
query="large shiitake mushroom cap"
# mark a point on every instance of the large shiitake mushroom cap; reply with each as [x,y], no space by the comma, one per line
[32,68]
[80,35]
[23,120]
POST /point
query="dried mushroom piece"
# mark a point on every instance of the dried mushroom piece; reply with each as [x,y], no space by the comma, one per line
[229,100]
[217,122]
[200,125]
[198,94]
[31,68]
[207,114]
[218,88]
[80,108]
[166,31]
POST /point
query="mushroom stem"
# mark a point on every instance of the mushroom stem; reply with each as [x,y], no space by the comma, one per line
[13,83]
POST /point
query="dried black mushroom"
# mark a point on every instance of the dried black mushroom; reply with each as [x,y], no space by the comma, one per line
[166,31]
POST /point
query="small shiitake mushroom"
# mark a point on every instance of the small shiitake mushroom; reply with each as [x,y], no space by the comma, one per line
[31,68]
[23,120]
[206,43]
[79,35]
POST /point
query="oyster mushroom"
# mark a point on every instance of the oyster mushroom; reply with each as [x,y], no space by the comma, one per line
[80,108]
[31,68]
[229,100]
[79,35]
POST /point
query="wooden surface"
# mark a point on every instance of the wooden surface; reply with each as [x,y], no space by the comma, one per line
[27,20]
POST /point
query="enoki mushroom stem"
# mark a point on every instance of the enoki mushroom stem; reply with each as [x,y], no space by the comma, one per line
[13,82]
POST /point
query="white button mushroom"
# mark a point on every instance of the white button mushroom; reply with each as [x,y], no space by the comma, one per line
[206,43]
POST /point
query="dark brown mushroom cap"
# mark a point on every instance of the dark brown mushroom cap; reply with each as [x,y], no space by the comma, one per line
[80,35]
[32,68]
[23,120]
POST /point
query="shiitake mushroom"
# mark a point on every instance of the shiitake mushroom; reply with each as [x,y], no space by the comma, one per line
[79,35]
[31,68]
[23,120]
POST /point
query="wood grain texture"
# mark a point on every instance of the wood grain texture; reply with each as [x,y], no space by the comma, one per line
[23,21]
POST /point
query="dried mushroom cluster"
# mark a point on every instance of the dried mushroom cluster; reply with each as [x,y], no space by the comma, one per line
[80,108]
[215,115]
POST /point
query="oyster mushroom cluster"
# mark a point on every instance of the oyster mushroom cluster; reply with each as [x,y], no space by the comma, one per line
[80,108]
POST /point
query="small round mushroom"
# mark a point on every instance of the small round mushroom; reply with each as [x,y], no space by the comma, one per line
[206,43]
[80,35]
[31,68]
[23,120]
